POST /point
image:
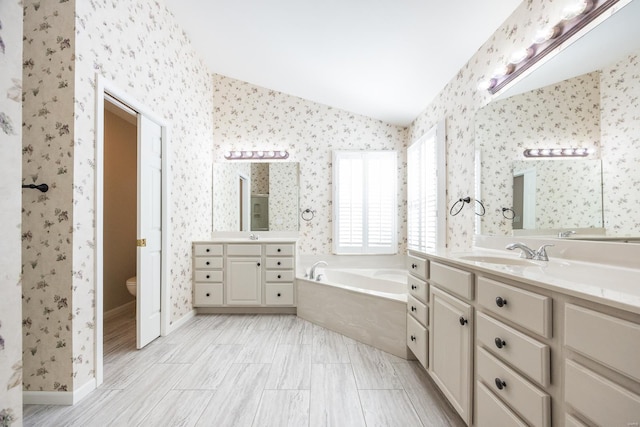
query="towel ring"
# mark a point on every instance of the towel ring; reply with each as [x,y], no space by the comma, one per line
[308,214]
[506,215]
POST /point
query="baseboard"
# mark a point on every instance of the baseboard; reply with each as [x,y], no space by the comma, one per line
[178,323]
[247,310]
[131,305]
[58,397]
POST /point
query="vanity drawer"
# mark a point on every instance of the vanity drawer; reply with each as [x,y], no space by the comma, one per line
[280,250]
[202,249]
[598,399]
[492,412]
[459,282]
[526,399]
[208,262]
[207,294]
[280,263]
[250,250]
[570,421]
[527,309]
[522,352]
[279,276]
[417,339]
[418,266]
[208,276]
[278,294]
[418,288]
[417,310]
[611,341]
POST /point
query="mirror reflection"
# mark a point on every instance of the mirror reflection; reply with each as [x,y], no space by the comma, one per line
[255,196]
[599,111]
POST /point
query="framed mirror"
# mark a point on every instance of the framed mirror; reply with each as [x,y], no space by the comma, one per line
[255,196]
[587,97]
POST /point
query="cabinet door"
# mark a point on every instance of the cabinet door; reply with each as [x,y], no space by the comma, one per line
[244,281]
[450,350]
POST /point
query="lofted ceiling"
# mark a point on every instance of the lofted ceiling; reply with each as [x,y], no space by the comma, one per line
[385,59]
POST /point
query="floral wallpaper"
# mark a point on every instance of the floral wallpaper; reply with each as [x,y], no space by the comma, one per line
[557,116]
[259,178]
[283,199]
[66,44]
[620,122]
[226,205]
[10,217]
[248,117]
[48,218]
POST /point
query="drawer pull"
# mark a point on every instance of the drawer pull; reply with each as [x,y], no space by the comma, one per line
[413,337]
[258,264]
[208,294]
[500,342]
[279,263]
[500,302]
[279,276]
[414,266]
[207,263]
[208,250]
[500,384]
[413,308]
[462,321]
[414,287]
[208,277]
[279,294]
[279,250]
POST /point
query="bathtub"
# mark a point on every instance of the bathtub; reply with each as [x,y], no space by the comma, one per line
[368,305]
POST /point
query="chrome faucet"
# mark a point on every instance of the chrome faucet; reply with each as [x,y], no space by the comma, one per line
[312,270]
[528,253]
[253,236]
[567,233]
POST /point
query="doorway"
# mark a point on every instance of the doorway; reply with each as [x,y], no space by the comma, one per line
[137,216]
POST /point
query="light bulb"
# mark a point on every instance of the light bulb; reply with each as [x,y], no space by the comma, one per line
[504,70]
[486,84]
[556,152]
[546,34]
[534,152]
[545,152]
[580,7]
[521,55]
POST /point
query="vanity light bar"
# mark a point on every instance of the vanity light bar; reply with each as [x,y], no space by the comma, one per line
[556,152]
[574,17]
[257,155]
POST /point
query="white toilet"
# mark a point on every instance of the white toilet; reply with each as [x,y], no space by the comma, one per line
[131,285]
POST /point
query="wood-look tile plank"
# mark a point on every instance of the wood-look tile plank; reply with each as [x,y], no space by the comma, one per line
[430,405]
[299,332]
[283,408]
[388,408]
[329,347]
[191,351]
[235,402]
[334,397]
[372,369]
[178,408]
[291,368]
[209,371]
[260,347]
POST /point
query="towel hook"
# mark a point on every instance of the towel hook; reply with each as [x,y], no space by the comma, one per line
[42,187]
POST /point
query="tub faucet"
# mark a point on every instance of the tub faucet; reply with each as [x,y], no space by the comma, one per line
[528,253]
[312,270]
[253,236]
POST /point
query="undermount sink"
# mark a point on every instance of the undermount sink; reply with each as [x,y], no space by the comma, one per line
[498,260]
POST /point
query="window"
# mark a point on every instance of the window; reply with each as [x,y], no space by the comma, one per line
[365,202]
[425,192]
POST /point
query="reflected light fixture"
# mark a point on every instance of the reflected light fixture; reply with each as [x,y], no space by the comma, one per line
[555,152]
[574,18]
[257,155]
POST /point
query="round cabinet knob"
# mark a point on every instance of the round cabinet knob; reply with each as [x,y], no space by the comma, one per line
[208,250]
[279,276]
[414,287]
[258,264]
[413,337]
[208,294]
[279,263]
[501,302]
[500,384]
[207,263]
[414,266]
[279,294]
[413,308]
[462,321]
[279,250]
[500,342]
[208,276]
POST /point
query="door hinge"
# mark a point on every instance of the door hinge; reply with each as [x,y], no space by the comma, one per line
[141,243]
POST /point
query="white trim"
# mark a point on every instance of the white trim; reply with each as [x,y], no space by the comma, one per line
[180,322]
[105,86]
[119,310]
[58,397]
[441,202]
[528,197]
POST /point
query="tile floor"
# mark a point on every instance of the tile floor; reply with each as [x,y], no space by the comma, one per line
[251,370]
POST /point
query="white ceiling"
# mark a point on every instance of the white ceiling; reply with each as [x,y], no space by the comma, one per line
[385,59]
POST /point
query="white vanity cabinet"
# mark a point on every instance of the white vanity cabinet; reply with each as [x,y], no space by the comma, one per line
[248,274]
[451,336]
[417,307]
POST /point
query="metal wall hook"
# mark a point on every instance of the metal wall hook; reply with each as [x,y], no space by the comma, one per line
[42,187]
[308,214]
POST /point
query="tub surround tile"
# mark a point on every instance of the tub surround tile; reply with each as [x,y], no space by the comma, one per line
[283,408]
[334,396]
[291,368]
[209,370]
[372,369]
[388,408]
[178,408]
[237,399]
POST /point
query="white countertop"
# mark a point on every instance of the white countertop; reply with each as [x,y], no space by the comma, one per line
[614,286]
